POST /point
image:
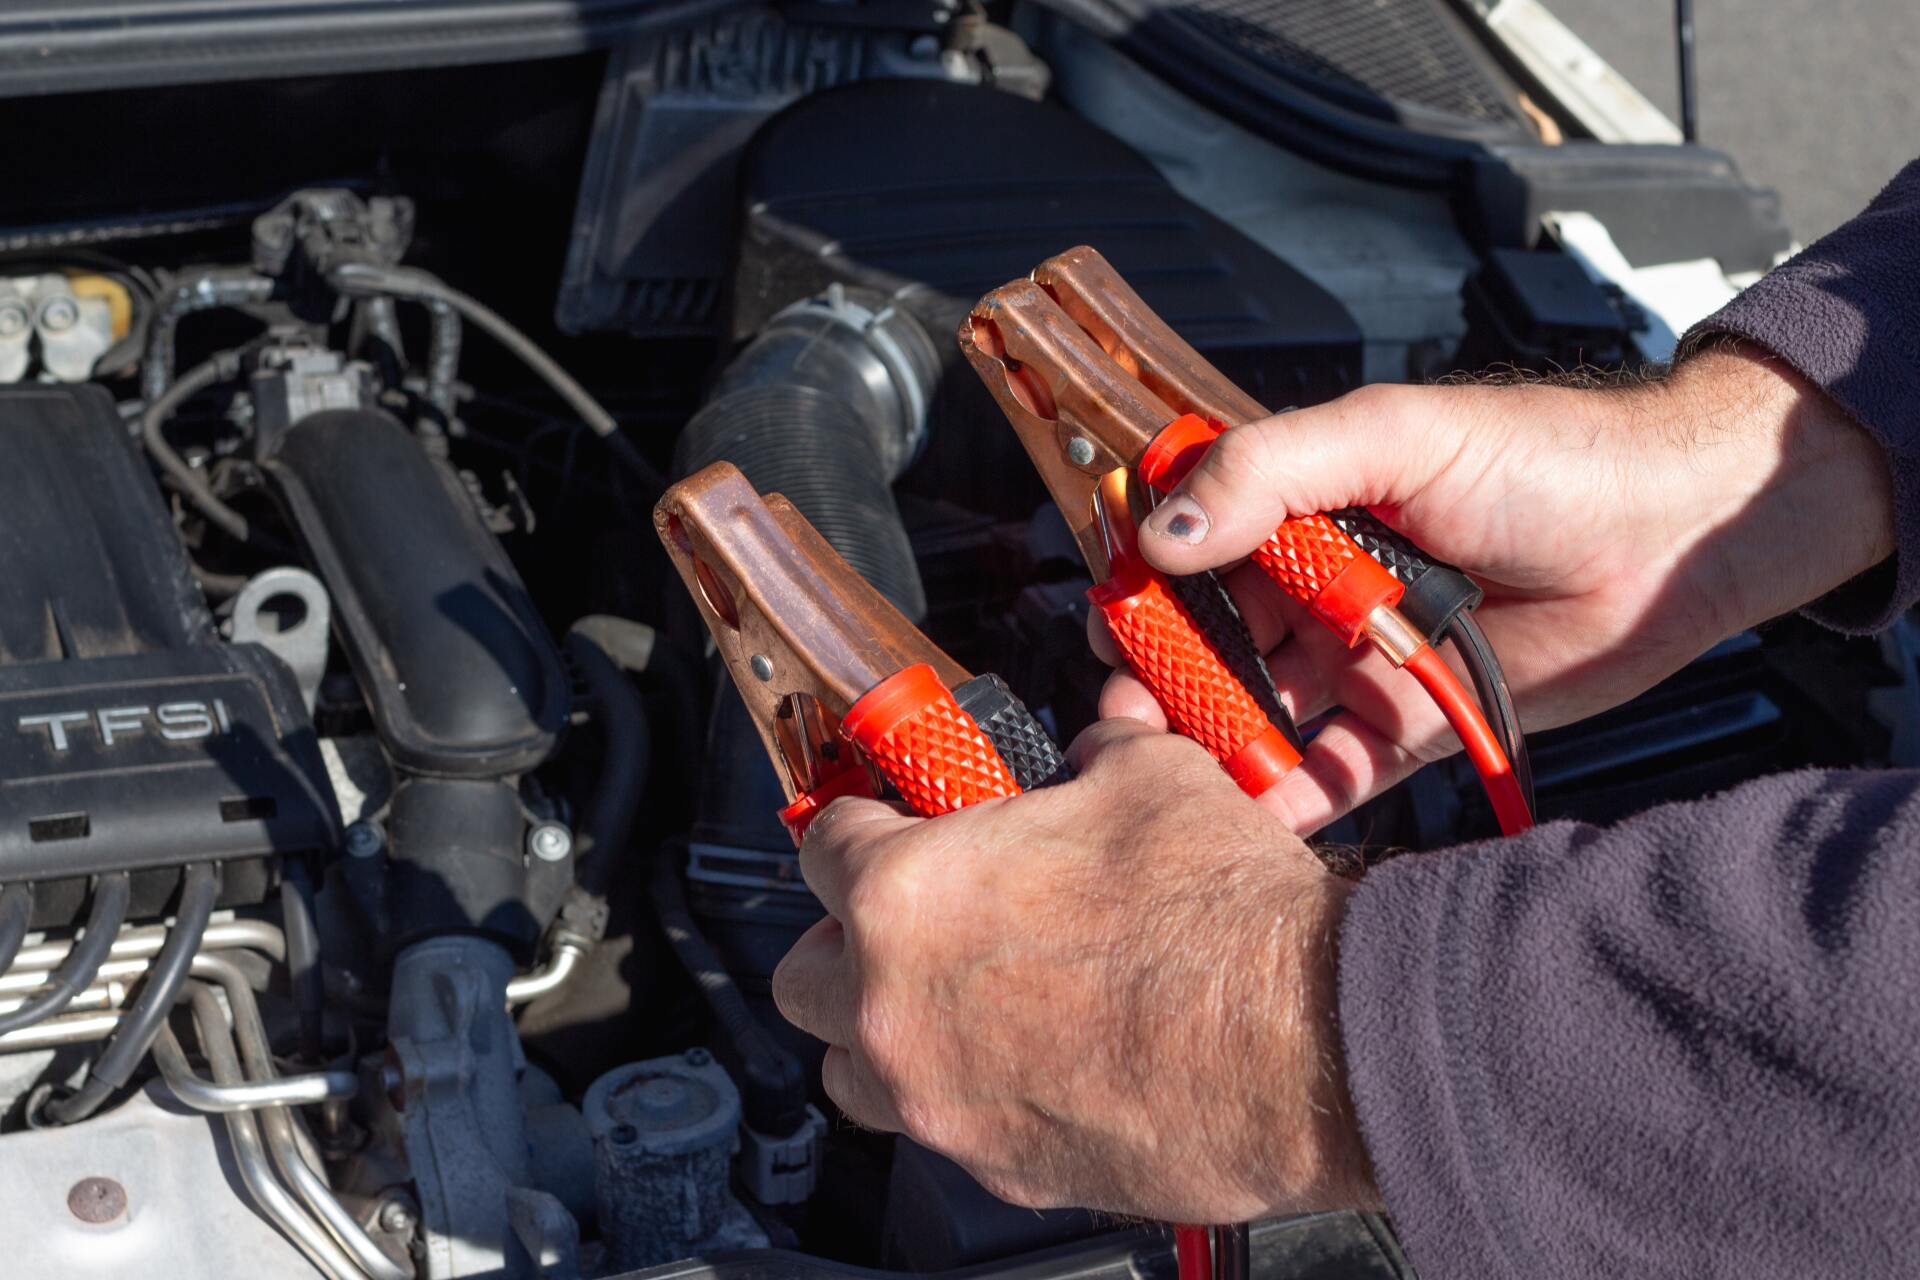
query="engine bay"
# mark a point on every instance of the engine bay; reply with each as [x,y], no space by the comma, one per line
[390,882]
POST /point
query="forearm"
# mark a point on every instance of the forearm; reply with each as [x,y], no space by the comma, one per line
[1781,497]
[1683,1046]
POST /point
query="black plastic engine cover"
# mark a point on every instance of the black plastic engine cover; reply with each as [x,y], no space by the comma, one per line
[131,739]
[156,759]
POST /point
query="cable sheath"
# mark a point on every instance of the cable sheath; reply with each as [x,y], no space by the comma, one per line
[1483,747]
[110,897]
[115,1066]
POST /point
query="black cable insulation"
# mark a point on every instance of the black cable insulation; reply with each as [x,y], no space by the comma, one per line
[16,913]
[111,894]
[303,958]
[1496,697]
[199,889]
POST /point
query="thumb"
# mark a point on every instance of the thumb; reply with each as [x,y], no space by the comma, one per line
[1340,454]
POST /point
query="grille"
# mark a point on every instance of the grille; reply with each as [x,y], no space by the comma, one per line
[1402,52]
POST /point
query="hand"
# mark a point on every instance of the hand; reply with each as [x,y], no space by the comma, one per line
[1082,1003]
[1619,532]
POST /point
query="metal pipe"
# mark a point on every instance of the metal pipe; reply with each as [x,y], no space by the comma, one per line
[268,1091]
[106,995]
[111,894]
[249,1153]
[282,1140]
[129,956]
[146,941]
[530,986]
[78,1028]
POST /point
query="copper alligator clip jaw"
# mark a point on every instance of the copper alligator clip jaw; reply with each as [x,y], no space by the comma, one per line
[1079,412]
[843,690]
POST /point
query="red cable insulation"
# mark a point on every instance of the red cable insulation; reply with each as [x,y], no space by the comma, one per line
[1195,1255]
[1483,748]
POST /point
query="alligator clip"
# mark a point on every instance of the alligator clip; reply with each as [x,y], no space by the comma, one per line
[843,690]
[1086,421]
[1105,307]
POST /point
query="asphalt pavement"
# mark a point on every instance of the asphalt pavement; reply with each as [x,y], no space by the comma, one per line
[1819,99]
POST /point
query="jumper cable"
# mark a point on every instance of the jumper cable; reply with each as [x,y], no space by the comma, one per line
[1093,382]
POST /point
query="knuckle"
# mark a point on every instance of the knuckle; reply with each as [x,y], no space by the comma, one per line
[883,890]
[1243,456]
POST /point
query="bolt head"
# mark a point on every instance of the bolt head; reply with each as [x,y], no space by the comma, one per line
[697,1057]
[398,1217]
[762,667]
[96,1200]
[15,319]
[550,842]
[364,840]
[1079,451]
[59,315]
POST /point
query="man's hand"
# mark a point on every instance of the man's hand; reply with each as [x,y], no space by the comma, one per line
[1117,993]
[1618,532]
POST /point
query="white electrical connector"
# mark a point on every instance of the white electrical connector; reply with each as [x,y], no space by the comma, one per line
[782,1170]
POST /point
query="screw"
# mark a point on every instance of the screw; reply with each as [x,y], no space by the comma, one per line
[14,319]
[550,842]
[624,1135]
[59,315]
[364,840]
[697,1057]
[1079,451]
[96,1200]
[762,667]
[398,1217]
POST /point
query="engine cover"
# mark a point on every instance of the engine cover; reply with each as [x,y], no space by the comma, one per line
[131,738]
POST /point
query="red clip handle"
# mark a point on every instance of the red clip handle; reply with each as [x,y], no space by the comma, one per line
[1168,654]
[928,748]
[1309,557]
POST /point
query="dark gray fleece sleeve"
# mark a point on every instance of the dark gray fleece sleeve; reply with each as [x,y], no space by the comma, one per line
[1687,1045]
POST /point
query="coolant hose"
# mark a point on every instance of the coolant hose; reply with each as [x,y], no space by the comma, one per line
[626,749]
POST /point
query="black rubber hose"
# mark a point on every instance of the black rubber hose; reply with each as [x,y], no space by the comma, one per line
[199,889]
[110,896]
[773,1083]
[626,748]
[303,958]
[360,279]
[813,447]
[191,484]
[16,913]
[221,287]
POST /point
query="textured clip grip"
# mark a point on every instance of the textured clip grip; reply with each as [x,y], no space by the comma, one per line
[1030,752]
[1202,698]
[932,752]
[1310,557]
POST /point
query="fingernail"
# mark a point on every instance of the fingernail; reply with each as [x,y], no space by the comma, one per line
[1179,518]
